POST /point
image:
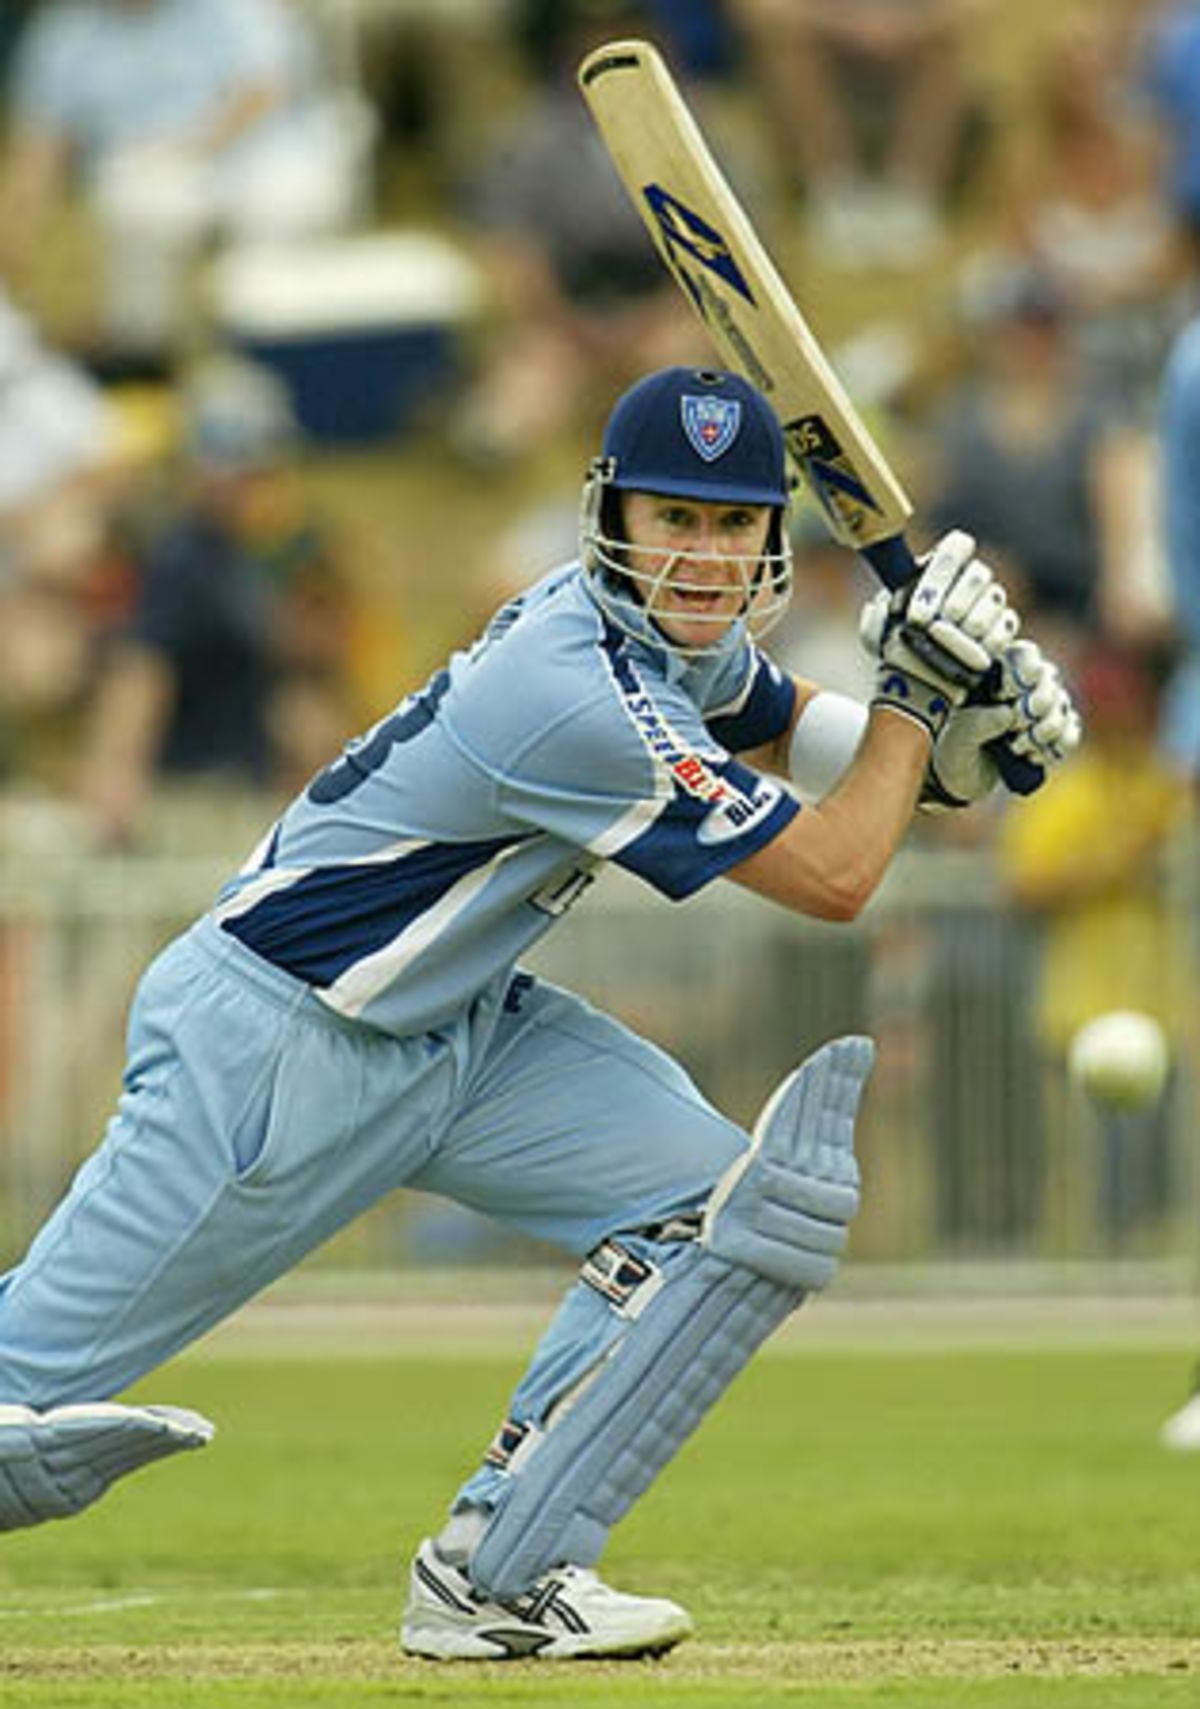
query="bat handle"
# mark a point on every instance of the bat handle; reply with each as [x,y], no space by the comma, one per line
[894,564]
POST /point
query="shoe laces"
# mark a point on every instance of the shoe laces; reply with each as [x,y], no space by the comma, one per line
[584,1576]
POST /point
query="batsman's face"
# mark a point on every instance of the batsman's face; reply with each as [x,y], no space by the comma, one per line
[697,564]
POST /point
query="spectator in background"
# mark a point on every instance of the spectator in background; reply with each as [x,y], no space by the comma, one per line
[1028,458]
[1085,204]
[1168,76]
[62,470]
[581,302]
[1087,858]
[698,33]
[231,668]
[1180,437]
[186,119]
[870,100]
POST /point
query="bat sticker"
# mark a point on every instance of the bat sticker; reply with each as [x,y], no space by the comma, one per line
[830,473]
[682,228]
[812,436]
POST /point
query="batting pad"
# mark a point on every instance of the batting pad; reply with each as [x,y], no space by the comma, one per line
[53,1464]
[774,1227]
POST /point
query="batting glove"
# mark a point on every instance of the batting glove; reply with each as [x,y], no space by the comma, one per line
[961,768]
[1046,729]
[1026,706]
[938,637]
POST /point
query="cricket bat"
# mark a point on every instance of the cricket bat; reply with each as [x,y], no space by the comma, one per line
[708,244]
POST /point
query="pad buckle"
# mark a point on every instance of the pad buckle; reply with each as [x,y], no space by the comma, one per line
[506,1444]
[626,1281]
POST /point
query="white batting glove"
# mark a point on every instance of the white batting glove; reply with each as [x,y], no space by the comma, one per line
[961,769]
[958,603]
[1031,711]
[939,636]
[1046,729]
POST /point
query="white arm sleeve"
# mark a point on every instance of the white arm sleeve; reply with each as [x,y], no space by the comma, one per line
[825,741]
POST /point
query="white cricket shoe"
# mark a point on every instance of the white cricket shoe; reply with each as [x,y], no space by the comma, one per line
[568,1613]
[1182,1429]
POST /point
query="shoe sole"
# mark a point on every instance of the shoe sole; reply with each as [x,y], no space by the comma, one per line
[642,1652]
[522,1645]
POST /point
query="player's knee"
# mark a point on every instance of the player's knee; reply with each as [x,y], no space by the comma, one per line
[33,1375]
[784,1209]
[23,1383]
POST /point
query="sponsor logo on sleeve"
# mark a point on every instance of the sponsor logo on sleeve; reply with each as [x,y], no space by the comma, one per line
[733,811]
[740,814]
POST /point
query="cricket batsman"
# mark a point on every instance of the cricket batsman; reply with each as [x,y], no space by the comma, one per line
[351,1017]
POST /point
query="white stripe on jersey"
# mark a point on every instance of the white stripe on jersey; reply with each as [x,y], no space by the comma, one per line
[638,818]
[258,853]
[282,877]
[366,978]
[629,827]
[266,884]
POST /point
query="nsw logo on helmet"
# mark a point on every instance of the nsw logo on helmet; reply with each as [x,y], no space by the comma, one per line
[711,424]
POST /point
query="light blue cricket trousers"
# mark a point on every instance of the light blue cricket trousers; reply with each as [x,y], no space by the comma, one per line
[254,1122]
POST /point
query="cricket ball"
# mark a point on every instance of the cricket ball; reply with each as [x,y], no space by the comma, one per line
[1121,1059]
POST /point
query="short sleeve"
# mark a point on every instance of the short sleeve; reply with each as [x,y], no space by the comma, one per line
[634,777]
[759,713]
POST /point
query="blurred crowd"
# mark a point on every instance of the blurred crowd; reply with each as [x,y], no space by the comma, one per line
[310,311]
[178,608]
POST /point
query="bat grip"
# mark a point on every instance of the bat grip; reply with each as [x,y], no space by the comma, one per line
[894,564]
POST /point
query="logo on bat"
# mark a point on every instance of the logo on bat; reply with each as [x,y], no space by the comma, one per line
[682,228]
[830,473]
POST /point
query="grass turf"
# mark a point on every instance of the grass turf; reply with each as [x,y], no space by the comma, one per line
[968,1529]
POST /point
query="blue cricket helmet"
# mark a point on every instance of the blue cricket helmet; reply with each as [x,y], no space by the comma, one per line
[700,434]
[696,433]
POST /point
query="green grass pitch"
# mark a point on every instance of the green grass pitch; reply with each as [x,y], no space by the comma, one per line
[989,1529]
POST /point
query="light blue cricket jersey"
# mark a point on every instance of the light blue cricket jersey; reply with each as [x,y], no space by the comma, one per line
[447,839]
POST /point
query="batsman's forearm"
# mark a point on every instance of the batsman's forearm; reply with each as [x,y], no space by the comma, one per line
[829,860]
[864,818]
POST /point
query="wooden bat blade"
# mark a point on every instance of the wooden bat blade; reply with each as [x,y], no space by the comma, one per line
[708,244]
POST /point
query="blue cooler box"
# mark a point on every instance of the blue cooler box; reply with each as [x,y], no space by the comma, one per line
[364,331]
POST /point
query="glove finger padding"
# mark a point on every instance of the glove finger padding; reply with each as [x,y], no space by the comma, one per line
[941,570]
[1046,728]
[957,599]
[961,655]
[972,588]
